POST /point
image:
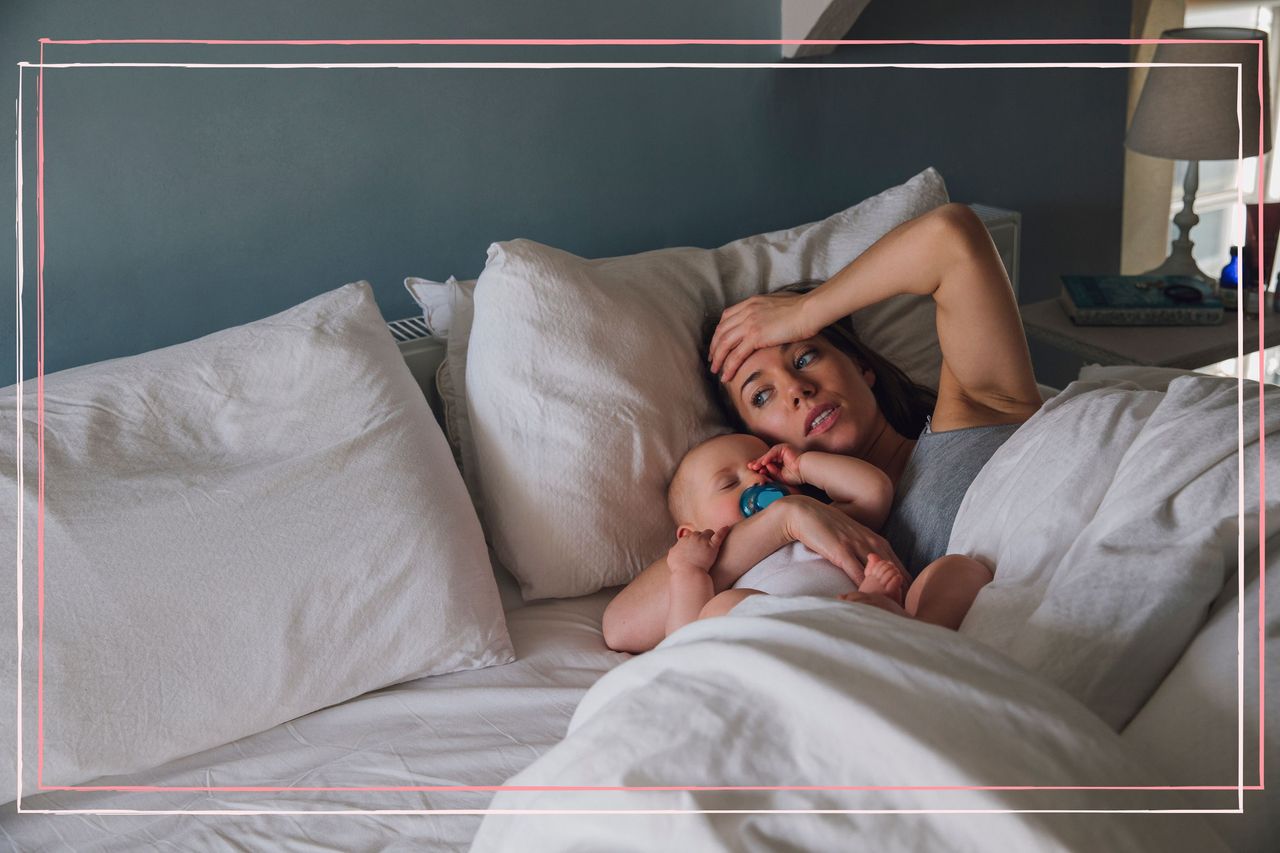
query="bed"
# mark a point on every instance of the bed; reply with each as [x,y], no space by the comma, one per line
[412,609]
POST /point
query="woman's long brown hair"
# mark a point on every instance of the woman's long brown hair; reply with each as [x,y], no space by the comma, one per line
[904,403]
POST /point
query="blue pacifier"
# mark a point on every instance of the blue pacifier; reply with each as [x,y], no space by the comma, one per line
[759,496]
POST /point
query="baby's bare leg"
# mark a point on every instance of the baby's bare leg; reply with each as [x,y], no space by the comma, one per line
[943,593]
[726,601]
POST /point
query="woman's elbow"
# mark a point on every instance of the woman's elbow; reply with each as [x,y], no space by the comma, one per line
[635,619]
[956,215]
[619,634]
[960,237]
[610,627]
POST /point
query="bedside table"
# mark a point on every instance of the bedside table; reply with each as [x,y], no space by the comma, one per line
[1186,347]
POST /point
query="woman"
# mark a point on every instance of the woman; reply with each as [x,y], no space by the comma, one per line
[789,377]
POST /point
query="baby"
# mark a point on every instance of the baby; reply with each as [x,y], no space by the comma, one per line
[705,498]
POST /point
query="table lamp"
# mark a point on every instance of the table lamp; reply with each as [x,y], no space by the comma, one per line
[1188,113]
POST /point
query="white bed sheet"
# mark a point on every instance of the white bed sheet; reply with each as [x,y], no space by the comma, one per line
[469,728]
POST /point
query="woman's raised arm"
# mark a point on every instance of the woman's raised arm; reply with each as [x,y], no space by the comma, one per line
[947,254]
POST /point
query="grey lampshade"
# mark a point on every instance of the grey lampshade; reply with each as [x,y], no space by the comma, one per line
[1190,113]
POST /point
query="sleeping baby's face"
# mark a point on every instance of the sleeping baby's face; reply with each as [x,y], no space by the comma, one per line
[710,481]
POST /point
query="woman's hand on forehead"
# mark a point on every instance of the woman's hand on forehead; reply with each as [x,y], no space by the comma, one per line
[756,323]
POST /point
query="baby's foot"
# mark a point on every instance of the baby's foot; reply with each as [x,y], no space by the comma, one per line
[875,599]
[882,578]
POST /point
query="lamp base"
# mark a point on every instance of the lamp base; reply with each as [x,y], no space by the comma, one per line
[1180,261]
[1183,264]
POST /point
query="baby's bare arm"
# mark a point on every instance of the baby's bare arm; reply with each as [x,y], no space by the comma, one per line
[750,541]
[859,489]
[690,590]
[690,560]
[635,619]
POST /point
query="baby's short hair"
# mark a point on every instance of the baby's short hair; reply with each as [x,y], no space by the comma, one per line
[678,488]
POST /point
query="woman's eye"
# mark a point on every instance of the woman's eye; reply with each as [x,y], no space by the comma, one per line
[806,358]
[759,398]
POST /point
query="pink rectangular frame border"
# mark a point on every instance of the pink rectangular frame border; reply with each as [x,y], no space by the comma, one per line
[40,238]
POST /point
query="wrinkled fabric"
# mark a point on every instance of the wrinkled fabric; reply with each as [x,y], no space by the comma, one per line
[818,692]
[1110,519]
[237,530]
[471,728]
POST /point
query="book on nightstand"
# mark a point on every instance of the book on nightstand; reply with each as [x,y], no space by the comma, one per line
[1139,300]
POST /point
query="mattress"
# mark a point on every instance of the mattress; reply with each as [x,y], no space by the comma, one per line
[472,728]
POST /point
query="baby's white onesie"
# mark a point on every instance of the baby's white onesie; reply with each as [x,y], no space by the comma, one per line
[795,570]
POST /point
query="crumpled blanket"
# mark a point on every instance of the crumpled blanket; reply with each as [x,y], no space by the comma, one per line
[1111,520]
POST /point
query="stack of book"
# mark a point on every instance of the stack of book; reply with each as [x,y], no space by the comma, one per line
[1139,300]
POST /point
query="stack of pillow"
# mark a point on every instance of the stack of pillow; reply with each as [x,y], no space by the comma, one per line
[572,387]
[248,527]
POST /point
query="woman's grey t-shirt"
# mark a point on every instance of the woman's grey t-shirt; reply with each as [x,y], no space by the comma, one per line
[939,472]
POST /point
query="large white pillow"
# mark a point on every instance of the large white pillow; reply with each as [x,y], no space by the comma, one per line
[237,531]
[585,382]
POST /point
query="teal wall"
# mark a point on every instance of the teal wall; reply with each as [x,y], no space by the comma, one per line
[182,201]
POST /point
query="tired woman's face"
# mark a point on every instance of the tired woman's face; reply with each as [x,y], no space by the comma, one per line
[809,394]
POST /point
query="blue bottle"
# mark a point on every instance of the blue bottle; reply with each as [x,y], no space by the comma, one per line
[759,496]
[1229,282]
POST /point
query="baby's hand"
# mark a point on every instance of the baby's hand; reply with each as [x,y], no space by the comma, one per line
[696,551]
[781,464]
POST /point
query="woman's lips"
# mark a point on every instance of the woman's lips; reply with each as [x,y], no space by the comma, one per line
[824,420]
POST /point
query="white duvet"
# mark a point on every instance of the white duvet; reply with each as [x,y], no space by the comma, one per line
[1110,519]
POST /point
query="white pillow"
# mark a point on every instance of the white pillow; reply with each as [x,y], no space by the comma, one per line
[453,407]
[440,302]
[435,300]
[453,391]
[585,382]
[452,299]
[238,530]
[1189,727]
